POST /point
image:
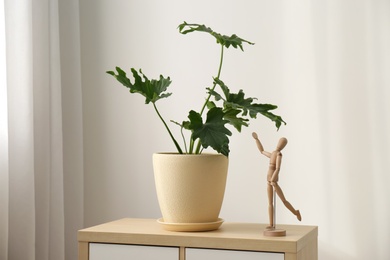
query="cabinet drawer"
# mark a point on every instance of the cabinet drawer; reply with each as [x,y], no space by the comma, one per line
[127,252]
[217,254]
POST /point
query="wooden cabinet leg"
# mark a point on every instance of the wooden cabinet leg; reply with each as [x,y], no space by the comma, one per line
[182,253]
[83,250]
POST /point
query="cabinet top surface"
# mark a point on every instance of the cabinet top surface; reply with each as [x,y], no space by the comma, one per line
[244,236]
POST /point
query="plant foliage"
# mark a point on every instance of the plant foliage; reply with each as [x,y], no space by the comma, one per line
[226,108]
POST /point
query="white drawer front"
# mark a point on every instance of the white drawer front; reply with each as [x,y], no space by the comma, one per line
[213,254]
[131,252]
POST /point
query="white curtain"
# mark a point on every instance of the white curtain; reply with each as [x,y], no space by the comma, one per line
[41,198]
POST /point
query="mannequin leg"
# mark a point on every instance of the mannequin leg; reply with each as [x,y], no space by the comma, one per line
[286,203]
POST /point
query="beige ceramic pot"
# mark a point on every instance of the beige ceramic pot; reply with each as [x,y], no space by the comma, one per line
[190,188]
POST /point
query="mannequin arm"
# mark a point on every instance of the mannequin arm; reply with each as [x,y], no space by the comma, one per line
[260,146]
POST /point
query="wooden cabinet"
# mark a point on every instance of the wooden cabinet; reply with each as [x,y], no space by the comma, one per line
[145,239]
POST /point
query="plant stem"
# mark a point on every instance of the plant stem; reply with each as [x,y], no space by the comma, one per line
[191,149]
[215,84]
[169,131]
[184,139]
[198,147]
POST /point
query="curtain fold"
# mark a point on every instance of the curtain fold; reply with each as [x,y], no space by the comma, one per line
[21,210]
[3,141]
[48,148]
[33,157]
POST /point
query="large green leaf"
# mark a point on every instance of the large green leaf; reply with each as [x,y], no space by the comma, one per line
[237,101]
[224,40]
[231,115]
[211,133]
[152,90]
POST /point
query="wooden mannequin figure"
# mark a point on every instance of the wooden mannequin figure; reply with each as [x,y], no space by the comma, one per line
[272,185]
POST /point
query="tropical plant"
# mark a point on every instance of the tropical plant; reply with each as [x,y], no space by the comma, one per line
[221,107]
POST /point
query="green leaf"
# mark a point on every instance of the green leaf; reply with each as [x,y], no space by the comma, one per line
[214,93]
[213,132]
[210,104]
[234,102]
[152,90]
[121,76]
[232,116]
[224,40]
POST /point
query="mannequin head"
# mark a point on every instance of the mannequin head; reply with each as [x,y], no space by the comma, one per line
[281,144]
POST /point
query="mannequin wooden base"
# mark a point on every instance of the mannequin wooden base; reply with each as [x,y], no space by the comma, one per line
[274,232]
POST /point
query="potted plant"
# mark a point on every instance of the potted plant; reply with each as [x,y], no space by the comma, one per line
[207,128]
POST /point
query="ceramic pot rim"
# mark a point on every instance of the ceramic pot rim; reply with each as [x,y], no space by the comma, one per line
[187,154]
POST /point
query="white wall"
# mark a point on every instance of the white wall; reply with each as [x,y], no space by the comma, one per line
[323,63]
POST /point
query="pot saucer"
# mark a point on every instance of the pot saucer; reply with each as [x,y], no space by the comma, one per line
[190,227]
